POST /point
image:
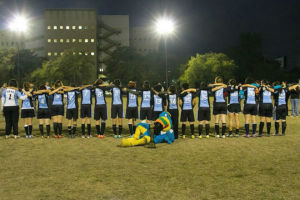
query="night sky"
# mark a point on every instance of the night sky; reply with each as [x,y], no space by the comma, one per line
[203,25]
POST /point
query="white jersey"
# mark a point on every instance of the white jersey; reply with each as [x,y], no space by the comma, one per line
[10,97]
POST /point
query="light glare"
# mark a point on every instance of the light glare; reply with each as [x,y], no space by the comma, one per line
[165,26]
[18,24]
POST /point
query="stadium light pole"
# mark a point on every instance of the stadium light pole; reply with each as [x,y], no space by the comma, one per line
[165,27]
[19,25]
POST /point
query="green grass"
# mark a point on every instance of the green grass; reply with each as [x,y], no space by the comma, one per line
[231,168]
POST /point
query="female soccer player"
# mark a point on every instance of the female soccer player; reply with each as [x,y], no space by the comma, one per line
[27,109]
[132,107]
[159,101]
[10,107]
[234,107]
[172,101]
[57,108]
[86,109]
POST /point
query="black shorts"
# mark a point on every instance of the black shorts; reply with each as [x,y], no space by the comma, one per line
[187,115]
[43,113]
[145,113]
[155,114]
[116,110]
[281,112]
[27,113]
[234,108]
[132,113]
[219,108]
[57,110]
[265,110]
[250,109]
[100,112]
[204,114]
[72,114]
[86,111]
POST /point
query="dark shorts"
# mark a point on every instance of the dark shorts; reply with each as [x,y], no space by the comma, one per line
[155,115]
[100,112]
[43,113]
[204,114]
[116,111]
[27,113]
[72,114]
[250,109]
[57,110]
[265,110]
[281,112]
[86,111]
[145,113]
[187,115]
[132,113]
[234,108]
[219,109]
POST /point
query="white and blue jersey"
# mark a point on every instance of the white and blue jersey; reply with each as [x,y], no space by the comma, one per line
[219,95]
[172,102]
[132,100]
[43,100]
[280,96]
[10,97]
[72,98]
[117,96]
[86,96]
[100,96]
[234,95]
[146,99]
[187,101]
[158,103]
[250,97]
[203,98]
[57,99]
[27,103]
[265,96]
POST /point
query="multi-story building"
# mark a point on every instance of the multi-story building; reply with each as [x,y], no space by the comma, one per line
[11,40]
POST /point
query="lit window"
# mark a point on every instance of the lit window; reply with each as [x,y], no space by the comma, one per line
[73,27]
[67,27]
[79,40]
[92,40]
[79,53]
[49,53]
[54,27]
[92,53]
[86,40]
[80,27]
[61,53]
[49,27]
[61,27]
[55,40]
[55,53]
[61,40]
[86,53]
[73,40]
[67,40]
[74,53]
[49,40]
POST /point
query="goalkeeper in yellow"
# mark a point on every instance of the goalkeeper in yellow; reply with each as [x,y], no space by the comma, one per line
[163,132]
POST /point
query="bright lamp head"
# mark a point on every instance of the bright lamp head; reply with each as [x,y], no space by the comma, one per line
[165,26]
[18,24]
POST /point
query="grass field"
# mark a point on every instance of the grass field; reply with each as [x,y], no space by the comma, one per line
[231,168]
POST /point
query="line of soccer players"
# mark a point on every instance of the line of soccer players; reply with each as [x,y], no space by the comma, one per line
[227,100]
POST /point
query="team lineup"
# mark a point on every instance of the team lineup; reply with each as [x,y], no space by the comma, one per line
[158,109]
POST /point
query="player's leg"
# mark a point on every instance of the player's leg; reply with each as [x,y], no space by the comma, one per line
[88,124]
[254,125]
[230,122]
[247,119]
[223,120]
[237,124]
[59,125]
[15,120]
[217,133]
[25,126]
[47,123]
[262,120]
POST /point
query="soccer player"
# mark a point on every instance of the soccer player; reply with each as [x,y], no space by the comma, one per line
[27,109]
[250,106]
[219,105]
[172,101]
[43,114]
[57,108]
[100,110]
[146,102]
[159,102]
[72,108]
[265,107]
[132,107]
[10,107]
[187,102]
[234,107]
[117,107]
[86,109]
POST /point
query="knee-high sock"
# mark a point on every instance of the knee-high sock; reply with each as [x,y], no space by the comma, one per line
[200,127]
[70,130]
[283,127]
[130,129]
[183,129]
[30,129]
[98,129]
[207,127]
[41,127]
[115,129]
[223,128]
[48,129]
[276,127]
[89,129]
[247,129]
[74,129]
[268,128]
[120,129]
[192,129]
[254,128]
[102,128]
[261,127]
[59,125]
[83,129]
[26,129]
[217,129]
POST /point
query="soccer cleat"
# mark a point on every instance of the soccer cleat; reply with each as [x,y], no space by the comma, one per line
[183,136]
[223,136]
[59,136]
[246,135]
[115,136]
[55,136]
[283,134]
[217,136]
[27,136]
[98,136]
[200,136]
[101,136]
[207,136]
[48,137]
[15,136]
[82,136]
[253,135]
[30,136]
[236,135]
[42,136]
[276,134]
[7,136]
[119,136]
[192,136]
[230,135]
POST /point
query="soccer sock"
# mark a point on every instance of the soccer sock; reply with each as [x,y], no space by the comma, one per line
[30,129]
[223,128]
[217,129]
[98,129]
[115,129]
[261,127]
[55,128]
[268,128]
[130,129]
[83,129]
[134,127]
[230,132]
[102,128]
[192,129]
[254,128]
[200,126]
[247,129]
[74,129]
[183,129]
[89,129]
[48,129]
[41,129]
[283,127]
[207,127]
[26,129]
[70,130]
[237,131]
[59,125]
[276,127]
[120,129]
